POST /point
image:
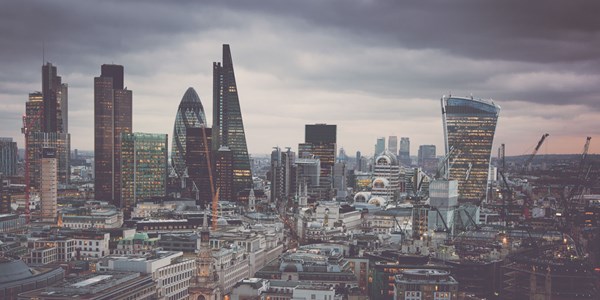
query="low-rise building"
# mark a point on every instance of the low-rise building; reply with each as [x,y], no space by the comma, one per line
[420,284]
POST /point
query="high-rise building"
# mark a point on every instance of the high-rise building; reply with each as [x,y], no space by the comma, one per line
[379,146]
[46,125]
[404,154]
[5,197]
[357,167]
[228,127]
[469,127]
[190,114]
[224,173]
[339,180]
[8,156]
[281,174]
[393,144]
[320,142]
[55,95]
[199,163]
[112,117]
[143,168]
[49,185]
[386,176]
[427,158]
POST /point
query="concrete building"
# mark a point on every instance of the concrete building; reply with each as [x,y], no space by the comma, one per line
[425,284]
[8,156]
[170,271]
[404,153]
[16,277]
[49,185]
[93,214]
[386,177]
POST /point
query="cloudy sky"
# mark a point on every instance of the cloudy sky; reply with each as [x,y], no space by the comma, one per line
[374,68]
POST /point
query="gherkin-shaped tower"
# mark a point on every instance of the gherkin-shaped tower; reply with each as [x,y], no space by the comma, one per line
[190,114]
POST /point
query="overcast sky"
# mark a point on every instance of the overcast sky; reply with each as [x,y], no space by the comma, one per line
[374,68]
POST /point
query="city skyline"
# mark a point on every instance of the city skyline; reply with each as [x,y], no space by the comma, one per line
[372,77]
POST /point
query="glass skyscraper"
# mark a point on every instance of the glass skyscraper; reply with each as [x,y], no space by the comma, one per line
[190,114]
[112,117]
[228,127]
[143,168]
[469,127]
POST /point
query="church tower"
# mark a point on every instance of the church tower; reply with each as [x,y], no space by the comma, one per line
[204,284]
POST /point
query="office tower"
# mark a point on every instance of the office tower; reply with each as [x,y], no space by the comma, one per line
[227,121]
[190,114]
[45,124]
[224,173]
[339,180]
[320,142]
[199,163]
[307,173]
[112,117]
[386,174]
[469,127]
[5,197]
[404,154]
[393,144]
[342,156]
[379,146]
[358,165]
[8,156]
[143,168]
[55,98]
[49,182]
[281,177]
[427,158]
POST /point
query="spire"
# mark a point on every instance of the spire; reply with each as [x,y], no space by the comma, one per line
[205,221]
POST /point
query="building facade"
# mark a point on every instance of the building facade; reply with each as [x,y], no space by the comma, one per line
[49,185]
[224,173]
[199,164]
[143,168]
[190,114]
[404,154]
[469,128]
[112,117]
[228,126]
[393,144]
[379,146]
[8,156]
[320,142]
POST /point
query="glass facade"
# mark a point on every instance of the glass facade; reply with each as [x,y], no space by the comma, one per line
[190,114]
[112,117]
[8,156]
[228,127]
[143,168]
[469,127]
[198,158]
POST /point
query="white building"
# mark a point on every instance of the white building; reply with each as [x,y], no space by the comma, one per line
[231,265]
[170,271]
[386,177]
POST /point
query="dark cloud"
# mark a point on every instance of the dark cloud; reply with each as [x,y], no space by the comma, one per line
[373,67]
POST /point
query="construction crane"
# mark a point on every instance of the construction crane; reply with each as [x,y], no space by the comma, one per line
[527,163]
[581,176]
[214,194]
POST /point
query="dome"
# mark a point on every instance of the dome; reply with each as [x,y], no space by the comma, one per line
[380,183]
[13,269]
[387,158]
[377,201]
[362,196]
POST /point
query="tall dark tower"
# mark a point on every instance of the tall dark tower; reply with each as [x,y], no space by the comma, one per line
[197,160]
[228,127]
[320,142]
[112,117]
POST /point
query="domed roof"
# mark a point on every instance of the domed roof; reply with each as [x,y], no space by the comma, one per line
[380,182]
[387,158]
[13,269]
[378,201]
[362,196]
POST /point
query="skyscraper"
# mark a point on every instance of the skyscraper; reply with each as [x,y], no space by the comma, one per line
[393,144]
[55,95]
[8,156]
[469,127]
[45,125]
[49,185]
[143,168]
[112,117]
[320,142]
[228,127]
[224,173]
[379,146]
[190,114]
[426,158]
[281,174]
[199,162]
[404,154]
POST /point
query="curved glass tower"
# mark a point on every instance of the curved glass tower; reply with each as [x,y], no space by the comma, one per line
[190,114]
[469,127]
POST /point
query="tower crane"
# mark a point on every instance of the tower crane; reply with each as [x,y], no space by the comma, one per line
[527,163]
[581,177]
